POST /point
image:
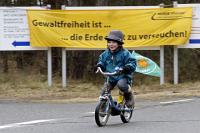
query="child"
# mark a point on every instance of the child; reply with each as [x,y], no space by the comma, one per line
[116,56]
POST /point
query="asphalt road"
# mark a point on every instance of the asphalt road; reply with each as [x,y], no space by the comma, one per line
[170,116]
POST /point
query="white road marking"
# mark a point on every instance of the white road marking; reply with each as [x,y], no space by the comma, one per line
[90,112]
[178,101]
[26,123]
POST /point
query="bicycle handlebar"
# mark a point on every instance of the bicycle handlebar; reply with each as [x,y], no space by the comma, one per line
[107,73]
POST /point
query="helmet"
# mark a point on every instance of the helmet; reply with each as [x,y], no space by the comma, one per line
[116,35]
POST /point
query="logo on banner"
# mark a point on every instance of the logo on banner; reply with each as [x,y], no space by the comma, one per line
[169,15]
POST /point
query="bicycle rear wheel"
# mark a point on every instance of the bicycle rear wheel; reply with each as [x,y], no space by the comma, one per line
[126,114]
[102,113]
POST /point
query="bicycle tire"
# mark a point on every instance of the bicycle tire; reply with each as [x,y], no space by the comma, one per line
[126,116]
[101,118]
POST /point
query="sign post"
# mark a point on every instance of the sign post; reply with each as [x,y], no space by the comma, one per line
[64,68]
[175,65]
[49,56]
[162,68]
[175,4]
[64,63]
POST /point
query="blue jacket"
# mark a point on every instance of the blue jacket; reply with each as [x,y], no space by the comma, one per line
[122,57]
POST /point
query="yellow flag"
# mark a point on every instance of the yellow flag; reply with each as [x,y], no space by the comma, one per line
[87,28]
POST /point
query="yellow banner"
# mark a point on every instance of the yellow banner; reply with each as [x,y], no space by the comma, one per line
[87,28]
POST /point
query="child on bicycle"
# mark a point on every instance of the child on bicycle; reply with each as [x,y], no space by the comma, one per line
[116,56]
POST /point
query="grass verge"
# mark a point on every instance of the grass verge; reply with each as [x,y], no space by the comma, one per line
[34,89]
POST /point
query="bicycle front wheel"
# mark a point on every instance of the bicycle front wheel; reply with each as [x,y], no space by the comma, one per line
[102,113]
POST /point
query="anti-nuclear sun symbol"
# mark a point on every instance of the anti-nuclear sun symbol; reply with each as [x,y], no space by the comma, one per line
[142,63]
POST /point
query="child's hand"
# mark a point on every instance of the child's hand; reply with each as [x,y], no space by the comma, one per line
[96,67]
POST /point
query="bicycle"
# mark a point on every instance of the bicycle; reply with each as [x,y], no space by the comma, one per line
[107,106]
